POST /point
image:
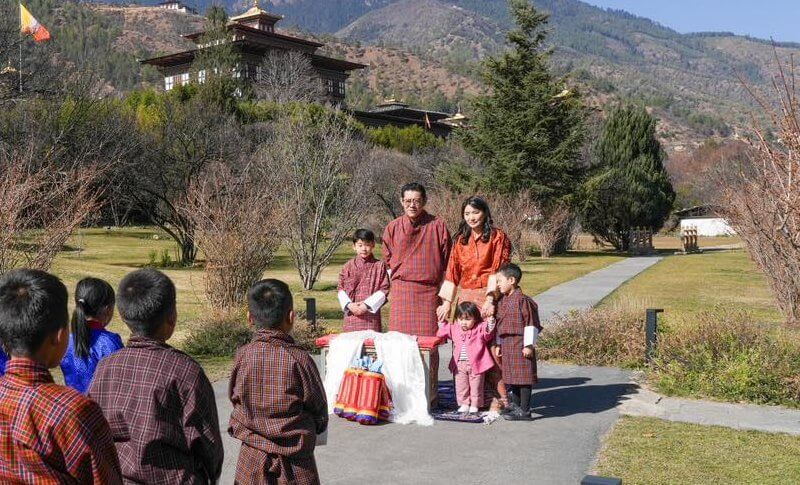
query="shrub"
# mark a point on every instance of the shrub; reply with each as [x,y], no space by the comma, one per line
[305,334]
[724,356]
[603,336]
[218,335]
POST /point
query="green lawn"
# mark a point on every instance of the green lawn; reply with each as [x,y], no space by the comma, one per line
[110,254]
[652,451]
[686,285]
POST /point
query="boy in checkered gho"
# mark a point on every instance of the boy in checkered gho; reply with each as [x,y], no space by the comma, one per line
[517,330]
[279,404]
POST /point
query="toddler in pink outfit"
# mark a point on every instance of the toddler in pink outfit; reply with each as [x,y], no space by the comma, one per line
[471,356]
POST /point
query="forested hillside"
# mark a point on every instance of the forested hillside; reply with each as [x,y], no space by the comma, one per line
[428,52]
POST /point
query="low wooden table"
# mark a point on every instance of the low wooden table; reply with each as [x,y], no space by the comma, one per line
[426,346]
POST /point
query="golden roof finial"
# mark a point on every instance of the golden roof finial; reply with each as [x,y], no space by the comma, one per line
[255,4]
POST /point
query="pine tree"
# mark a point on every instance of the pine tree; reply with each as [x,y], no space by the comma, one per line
[628,186]
[218,64]
[529,130]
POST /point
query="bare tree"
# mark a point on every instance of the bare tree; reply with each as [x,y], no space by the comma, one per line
[285,76]
[189,136]
[41,205]
[513,214]
[236,226]
[549,227]
[760,194]
[446,204]
[321,170]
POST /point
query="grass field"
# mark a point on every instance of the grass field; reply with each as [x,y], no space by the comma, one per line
[653,451]
[111,253]
[686,285]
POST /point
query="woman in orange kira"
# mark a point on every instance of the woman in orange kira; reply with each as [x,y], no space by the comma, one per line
[479,250]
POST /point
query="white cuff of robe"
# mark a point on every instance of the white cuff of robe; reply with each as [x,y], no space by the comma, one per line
[375,301]
[530,336]
[448,291]
[344,300]
[491,285]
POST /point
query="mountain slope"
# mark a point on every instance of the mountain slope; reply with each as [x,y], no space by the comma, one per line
[430,26]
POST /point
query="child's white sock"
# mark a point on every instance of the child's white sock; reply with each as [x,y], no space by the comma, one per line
[463,409]
[473,409]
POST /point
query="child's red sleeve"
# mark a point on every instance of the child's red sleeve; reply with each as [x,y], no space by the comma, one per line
[530,313]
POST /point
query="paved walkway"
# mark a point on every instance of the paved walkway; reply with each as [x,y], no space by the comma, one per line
[587,291]
[574,407]
[771,419]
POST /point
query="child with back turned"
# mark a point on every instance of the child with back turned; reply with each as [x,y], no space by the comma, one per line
[363,286]
[158,400]
[279,404]
[517,327]
[89,341]
[48,433]
[471,355]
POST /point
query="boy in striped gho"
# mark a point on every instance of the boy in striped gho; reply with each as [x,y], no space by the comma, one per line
[279,404]
[363,286]
[517,328]
[48,433]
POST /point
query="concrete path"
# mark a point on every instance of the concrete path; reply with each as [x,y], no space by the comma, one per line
[573,408]
[587,291]
[771,419]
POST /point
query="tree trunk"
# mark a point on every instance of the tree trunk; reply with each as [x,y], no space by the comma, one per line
[188,251]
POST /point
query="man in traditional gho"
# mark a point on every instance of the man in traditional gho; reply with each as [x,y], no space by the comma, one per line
[416,247]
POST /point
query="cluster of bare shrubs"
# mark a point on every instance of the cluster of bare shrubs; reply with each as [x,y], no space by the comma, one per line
[41,205]
[524,220]
[605,336]
[236,221]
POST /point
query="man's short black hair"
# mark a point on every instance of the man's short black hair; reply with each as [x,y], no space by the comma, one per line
[413,187]
[269,302]
[145,300]
[364,235]
[511,270]
[33,305]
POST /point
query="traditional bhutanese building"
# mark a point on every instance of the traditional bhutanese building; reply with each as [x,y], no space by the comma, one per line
[397,113]
[253,35]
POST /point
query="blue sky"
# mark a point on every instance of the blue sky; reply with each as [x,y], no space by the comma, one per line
[777,19]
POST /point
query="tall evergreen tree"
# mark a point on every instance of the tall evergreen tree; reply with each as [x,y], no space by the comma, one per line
[628,186]
[218,64]
[529,129]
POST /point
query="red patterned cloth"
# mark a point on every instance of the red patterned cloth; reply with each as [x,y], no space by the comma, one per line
[361,278]
[162,412]
[515,312]
[279,407]
[416,253]
[51,434]
[470,265]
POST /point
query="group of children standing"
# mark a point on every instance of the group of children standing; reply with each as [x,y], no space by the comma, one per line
[364,288]
[146,413]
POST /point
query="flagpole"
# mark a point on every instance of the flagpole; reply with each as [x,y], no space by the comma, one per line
[21,38]
[20,64]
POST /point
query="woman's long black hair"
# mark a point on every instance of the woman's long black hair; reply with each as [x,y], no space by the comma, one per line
[464,230]
[92,295]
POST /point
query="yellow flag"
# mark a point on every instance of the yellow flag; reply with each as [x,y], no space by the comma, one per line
[28,25]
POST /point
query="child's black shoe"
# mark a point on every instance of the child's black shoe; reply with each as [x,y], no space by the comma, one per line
[511,408]
[518,415]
